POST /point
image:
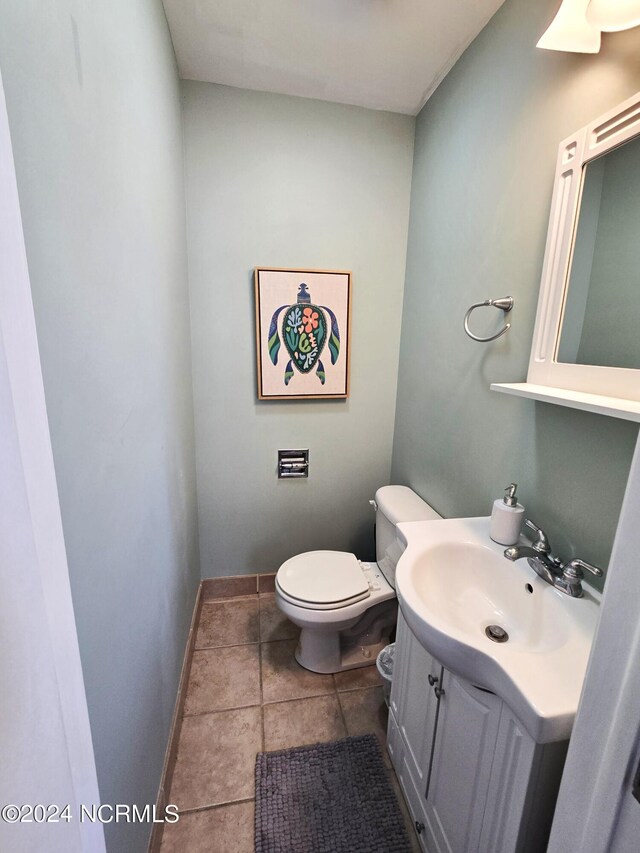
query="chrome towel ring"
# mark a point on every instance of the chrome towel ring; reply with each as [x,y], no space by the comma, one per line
[505,303]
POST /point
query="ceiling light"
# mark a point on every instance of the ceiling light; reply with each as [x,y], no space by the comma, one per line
[570,30]
[613,15]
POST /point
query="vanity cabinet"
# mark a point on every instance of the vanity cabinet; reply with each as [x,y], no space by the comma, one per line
[413,701]
[474,780]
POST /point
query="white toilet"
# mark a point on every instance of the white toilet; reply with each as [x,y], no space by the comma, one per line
[346,608]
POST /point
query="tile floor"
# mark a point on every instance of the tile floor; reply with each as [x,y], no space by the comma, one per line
[246,694]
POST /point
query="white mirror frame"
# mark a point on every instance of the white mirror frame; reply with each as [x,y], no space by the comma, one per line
[607,390]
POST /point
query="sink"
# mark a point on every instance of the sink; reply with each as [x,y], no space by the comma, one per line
[453,582]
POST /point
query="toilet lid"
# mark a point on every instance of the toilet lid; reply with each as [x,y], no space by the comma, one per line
[323,578]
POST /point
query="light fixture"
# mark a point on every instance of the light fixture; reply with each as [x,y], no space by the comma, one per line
[609,16]
[570,30]
[578,23]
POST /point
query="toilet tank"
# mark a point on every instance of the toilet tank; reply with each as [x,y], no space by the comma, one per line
[395,504]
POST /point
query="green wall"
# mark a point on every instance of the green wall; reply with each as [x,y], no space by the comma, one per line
[94,109]
[484,162]
[290,182]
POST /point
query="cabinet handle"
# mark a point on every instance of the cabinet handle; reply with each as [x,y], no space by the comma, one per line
[432,680]
[419,827]
[439,691]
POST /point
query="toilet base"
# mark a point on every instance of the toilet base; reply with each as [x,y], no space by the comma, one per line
[358,657]
[325,651]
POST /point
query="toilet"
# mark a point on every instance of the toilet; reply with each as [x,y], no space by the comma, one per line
[347,608]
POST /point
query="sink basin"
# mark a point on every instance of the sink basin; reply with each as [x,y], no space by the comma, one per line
[453,582]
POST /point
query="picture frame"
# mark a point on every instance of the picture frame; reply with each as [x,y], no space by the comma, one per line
[303,333]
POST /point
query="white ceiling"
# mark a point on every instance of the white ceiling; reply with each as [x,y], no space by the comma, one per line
[383,54]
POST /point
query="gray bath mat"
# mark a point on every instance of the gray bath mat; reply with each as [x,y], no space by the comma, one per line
[327,798]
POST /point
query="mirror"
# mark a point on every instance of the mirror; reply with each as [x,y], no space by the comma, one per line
[586,341]
[601,320]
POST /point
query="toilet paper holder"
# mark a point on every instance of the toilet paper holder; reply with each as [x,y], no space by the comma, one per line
[293,463]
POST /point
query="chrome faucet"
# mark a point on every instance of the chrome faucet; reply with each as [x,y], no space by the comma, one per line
[565,577]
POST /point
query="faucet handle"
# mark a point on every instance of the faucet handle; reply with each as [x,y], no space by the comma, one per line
[574,569]
[541,542]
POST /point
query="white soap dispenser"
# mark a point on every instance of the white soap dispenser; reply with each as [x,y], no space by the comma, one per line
[506,518]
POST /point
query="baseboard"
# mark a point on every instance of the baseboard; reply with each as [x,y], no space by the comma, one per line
[174,733]
[210,589]
[236,586]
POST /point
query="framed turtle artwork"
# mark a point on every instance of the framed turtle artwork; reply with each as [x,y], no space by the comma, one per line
[303,326]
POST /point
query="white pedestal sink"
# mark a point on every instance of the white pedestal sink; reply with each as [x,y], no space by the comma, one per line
[453,582]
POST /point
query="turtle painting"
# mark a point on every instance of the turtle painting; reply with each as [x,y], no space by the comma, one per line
[306,329]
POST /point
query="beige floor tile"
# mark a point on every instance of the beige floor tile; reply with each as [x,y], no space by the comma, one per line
[302,722]
[284,678]
[274,625]
[216,758]
[364,676]
[228,623]
[223,678]
[226,829]
[366,712]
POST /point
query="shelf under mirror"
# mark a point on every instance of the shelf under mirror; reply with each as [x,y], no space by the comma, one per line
[616,407]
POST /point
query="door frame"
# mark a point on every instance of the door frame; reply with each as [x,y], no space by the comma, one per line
[604,749]
[41,517]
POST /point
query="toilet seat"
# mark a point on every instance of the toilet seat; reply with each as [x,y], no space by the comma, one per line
[322,580]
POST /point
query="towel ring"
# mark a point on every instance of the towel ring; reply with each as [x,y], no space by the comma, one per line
[505,303]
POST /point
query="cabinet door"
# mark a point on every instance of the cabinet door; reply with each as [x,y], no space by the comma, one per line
[523,789]
[414,799]
[414,702]
[515,755]
[461,766]
[395,744]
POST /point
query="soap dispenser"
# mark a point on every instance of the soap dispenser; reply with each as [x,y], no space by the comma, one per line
[506,518]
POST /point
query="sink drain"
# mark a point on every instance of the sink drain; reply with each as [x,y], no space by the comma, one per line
[496,633]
